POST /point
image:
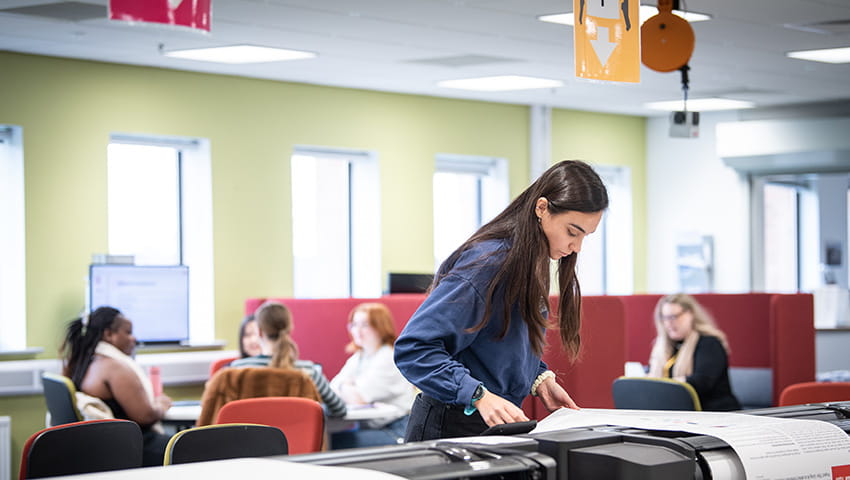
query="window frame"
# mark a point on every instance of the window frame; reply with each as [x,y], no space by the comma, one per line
[491,183]
[13,303]
[196,225]
[364,222]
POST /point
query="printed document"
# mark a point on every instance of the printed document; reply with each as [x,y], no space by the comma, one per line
[769,448]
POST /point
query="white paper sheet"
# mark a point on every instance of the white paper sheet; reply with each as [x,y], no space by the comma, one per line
[769,448]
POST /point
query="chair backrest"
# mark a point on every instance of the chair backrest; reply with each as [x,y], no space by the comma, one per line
[648,393]
[60,396]
[230,384]
[220,442]
[82,447]
[814,392]
[217,365]
[302,420]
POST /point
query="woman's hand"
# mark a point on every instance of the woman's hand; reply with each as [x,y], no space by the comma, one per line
[554,396]
[163,402]
[349,393]
[495,410]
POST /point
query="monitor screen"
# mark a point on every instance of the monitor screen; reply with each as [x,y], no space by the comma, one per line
[154,298]
[408,282]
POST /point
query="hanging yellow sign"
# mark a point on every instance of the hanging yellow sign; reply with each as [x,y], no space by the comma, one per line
[607,40]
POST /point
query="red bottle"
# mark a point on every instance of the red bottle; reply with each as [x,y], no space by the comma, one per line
[156,380]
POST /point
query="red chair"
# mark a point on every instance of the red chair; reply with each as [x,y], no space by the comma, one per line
[82,447]
[301,419]
[219,364]
[814,392]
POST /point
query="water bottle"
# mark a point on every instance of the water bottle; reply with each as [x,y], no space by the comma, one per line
[156,380]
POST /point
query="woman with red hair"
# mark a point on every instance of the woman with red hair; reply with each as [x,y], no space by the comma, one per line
[370,376]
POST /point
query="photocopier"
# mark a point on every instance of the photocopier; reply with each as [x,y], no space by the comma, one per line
[596,452]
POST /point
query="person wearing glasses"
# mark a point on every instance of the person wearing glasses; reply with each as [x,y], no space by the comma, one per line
[690,348]
[474,346]
[370,376]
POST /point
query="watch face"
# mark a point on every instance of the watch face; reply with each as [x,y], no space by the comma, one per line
[479,392]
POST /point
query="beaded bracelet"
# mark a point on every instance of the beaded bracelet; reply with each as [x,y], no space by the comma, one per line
[540,378]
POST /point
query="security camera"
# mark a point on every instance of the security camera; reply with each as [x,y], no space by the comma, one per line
[684,124]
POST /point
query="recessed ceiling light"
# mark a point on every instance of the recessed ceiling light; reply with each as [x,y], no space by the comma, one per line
[826,55]
[239,54]
[646,11]
[700,105]
[501,83]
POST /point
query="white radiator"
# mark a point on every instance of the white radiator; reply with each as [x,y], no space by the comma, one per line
[5,448]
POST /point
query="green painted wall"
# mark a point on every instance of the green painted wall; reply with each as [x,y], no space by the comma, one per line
[68,109]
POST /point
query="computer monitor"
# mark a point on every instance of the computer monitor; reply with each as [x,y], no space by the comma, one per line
[408,282]
[154,298]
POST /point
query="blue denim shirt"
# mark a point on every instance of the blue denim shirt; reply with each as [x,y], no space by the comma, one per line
[435,353]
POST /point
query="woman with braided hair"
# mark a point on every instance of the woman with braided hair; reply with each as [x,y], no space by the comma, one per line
[97,357]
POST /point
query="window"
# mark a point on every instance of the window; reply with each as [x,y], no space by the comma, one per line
[468,192]
[160,211]
[606,262]
[780,238]
[12,245]
[787,231]
[335,223]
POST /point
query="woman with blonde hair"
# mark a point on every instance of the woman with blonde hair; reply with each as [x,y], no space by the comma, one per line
[690,348]
[280,351]
[370,375]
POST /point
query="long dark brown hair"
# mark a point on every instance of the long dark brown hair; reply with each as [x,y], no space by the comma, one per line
[242,327]
[81,338]
[569,185]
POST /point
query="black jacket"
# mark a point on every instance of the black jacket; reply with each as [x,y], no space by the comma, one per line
[710,377]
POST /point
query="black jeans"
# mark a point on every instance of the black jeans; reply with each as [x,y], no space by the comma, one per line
[431,419]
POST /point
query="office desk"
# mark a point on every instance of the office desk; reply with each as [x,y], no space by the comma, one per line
[185,414]
[238,468]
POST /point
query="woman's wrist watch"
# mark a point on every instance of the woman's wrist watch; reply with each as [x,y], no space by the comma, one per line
[476,395]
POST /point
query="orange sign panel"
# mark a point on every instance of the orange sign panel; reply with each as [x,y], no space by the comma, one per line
[607,40]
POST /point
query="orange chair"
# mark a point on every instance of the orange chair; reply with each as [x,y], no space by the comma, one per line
[301,419]
[814,392]
[219,364]
[82,447]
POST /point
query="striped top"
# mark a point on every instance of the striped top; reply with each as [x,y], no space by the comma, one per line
[333,405]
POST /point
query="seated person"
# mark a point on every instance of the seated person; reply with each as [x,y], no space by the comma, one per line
[370,375]
[690,348]
[249,338]
[97,357]
[279,350]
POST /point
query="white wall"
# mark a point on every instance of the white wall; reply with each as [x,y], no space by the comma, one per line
[690,189]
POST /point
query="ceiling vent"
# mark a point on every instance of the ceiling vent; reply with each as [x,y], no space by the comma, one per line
[68,11]
[464,60]
[829,27]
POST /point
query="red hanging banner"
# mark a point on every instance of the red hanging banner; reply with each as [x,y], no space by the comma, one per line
[183,13]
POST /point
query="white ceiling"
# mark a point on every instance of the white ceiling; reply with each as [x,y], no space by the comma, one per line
[381,45]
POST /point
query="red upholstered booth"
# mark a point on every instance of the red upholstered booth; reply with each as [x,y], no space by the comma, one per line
[320,324]
[321,336]
[770,332]
[600,362]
